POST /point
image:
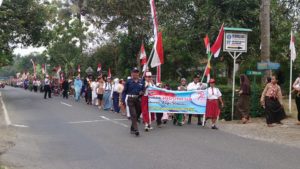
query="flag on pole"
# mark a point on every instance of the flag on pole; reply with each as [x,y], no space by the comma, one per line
[109,73]
[99,68]
[1,2]
[158,54]
[143,57]
[78,69]
[216,47]
[43,69]
[34,67]
[58,69]
[292,47]
[207,46]
[154,18]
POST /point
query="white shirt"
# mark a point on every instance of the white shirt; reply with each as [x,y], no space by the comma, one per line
[47,81]
[213,93]
[107,86]
[196,86]
[147,84]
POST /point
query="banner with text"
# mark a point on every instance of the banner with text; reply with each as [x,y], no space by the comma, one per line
[168,101]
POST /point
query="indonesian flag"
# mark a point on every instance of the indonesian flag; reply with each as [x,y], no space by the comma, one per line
[43,69]
[99,68]
[292,47]
[78,69]
[154,17]
[109,73]
[58,70]
[1,2]
[216,47]
[143,57]
[158,54]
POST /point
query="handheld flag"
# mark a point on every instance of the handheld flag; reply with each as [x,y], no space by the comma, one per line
[109,73]
[216,47]
[78,69]
[143,57]
[292,47]
[99,67]
[158,54]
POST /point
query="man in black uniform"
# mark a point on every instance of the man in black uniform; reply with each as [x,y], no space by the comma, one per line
[134,90]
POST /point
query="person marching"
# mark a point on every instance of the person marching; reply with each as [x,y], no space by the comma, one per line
[65,87]
[94,86]
[47,87]
[214,96]
[271,100]
[243,104]
[296,87]
[134,89]
[178,118]
[107,94]
[77,86]
[196,85]
[145,111]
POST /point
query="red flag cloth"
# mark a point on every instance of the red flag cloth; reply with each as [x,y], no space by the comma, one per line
[143,55]
[216,47]
[292,47]
[158,55]
[99,67]
[78,69]
[207,44]
[109,73]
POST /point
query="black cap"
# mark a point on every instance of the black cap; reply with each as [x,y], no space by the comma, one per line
[135,70]
[197,76]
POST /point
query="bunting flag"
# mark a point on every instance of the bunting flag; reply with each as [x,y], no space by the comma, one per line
[292,47]
[43,69]
[78,69]
[143,57]
[99,68]
[216,47]
[109,73]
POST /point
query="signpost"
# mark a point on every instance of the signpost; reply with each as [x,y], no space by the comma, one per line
[235,44]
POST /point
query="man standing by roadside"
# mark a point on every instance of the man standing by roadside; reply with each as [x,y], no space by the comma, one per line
[47,87]
[134,90]
[196,85]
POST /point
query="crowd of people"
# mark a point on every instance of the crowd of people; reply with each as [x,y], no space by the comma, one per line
[130,98]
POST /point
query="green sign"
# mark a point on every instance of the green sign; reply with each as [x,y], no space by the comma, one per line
[254,73]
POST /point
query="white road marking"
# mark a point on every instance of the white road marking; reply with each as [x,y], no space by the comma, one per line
[87,121]
[19,125]
[6,116]
[114,121]
[66,104]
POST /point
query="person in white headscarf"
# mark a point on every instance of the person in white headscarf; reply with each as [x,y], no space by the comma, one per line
[116,96]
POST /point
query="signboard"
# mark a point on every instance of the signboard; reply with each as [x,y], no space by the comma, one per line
[235,41]
[268,66]
[185,102]
[254,73]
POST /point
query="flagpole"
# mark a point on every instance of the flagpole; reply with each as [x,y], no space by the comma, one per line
[290,94]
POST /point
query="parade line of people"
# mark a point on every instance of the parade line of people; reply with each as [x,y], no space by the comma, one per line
[130,98]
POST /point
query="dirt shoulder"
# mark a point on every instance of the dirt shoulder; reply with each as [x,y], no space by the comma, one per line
[287,134]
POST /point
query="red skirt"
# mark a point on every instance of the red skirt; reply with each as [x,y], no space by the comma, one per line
[212,109]
[145,110]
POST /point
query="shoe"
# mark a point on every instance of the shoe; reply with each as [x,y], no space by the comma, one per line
[214,127]
[146,128]
[137,133]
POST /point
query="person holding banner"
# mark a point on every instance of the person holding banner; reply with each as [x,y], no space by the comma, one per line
[178,118]
[214,96]
[146,117]
[134,90]
[196,85]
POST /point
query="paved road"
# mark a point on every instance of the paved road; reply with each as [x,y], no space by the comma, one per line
[63,134]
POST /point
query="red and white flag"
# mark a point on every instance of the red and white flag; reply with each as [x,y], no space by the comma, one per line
[292,47]
[78,69]
[58,70]
[109,73]
[99,68]
[216,47]
[154,17]
[143,57]
[43,69]
[158,54]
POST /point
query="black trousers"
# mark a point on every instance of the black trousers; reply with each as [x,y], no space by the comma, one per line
[35,88]
[190,118]
[65,94]
[297,99]
[158,118]
[134,105]
[47,90]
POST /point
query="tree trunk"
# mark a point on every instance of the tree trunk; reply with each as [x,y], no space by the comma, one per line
[265,34]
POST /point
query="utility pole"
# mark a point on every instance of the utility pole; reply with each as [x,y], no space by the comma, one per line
[265,34]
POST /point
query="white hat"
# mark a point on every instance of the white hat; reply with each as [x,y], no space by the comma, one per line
[148,74]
